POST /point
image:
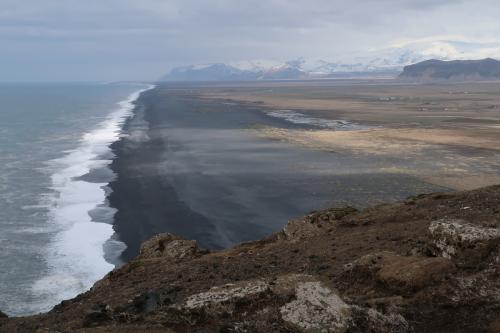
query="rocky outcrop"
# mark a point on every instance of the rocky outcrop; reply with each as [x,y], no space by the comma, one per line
[465,243]
[301,303]
[423,265]
[307,227]
[222,296]
[169,246]
[316,308]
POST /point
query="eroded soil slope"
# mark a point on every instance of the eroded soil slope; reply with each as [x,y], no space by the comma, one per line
[429,264]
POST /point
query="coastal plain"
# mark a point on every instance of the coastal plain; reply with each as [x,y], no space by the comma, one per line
[446,134]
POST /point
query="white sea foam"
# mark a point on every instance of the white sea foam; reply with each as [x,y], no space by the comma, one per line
[302,119]
[76,255]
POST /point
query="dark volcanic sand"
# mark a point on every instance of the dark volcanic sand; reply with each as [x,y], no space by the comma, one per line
[194,167]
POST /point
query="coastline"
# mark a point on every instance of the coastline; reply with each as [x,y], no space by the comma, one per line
[138,194]
[198,169]
[78,212]
[195,168]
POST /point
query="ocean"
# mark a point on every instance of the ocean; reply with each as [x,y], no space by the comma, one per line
[56,237]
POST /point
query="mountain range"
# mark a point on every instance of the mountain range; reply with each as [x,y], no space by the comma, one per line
[289,70]
[388,61]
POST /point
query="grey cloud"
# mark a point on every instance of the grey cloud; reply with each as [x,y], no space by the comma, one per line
[140,39]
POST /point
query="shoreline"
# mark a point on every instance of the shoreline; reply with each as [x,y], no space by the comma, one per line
[78,212]
[195,168]
[137,200]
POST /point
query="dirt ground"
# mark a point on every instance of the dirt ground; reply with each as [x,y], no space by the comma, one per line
[402,267]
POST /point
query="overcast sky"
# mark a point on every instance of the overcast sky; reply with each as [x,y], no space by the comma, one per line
[143,39]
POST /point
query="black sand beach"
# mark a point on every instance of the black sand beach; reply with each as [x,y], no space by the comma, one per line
[194,167]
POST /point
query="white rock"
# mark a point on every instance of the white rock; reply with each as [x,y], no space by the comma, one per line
[228,292]
[464,242]
[316,309]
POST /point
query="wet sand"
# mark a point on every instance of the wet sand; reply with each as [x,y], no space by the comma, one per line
[197,168]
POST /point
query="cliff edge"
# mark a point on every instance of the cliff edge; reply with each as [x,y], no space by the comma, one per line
[428,264]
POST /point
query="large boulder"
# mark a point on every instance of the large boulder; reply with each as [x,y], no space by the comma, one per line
[466,244]
[221,299]
[316,309]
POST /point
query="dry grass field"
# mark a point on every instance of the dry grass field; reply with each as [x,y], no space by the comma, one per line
[446,134]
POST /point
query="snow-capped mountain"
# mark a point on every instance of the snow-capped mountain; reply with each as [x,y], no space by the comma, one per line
[235,72]
[390,60]
[295,69]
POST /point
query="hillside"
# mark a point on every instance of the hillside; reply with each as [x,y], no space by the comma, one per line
[486,69]
[429,264]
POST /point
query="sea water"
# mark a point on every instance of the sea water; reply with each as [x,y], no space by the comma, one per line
[56,235]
